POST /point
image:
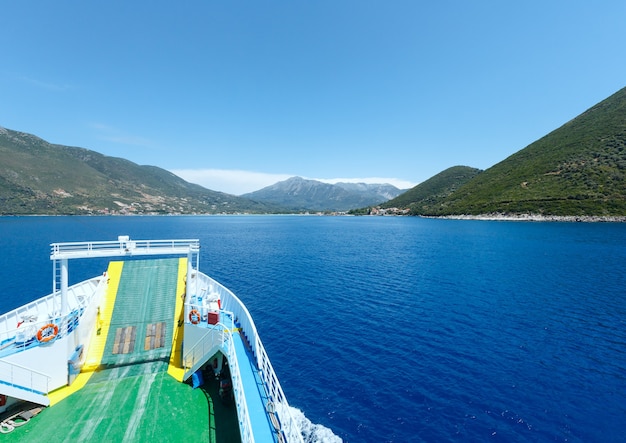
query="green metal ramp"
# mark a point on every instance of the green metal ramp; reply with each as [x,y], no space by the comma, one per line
[140,334]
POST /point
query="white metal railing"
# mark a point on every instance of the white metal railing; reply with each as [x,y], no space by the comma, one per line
[245,424]
[221,335]
[30,333]
[122,247]
[15,325]
[274,391]
[214,337]
[21,377]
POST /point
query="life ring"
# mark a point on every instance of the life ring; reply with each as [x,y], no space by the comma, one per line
[194,317]
[47,333]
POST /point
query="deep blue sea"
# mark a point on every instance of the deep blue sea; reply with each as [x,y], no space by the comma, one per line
[386,329]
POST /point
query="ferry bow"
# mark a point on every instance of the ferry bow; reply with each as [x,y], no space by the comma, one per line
[150,314]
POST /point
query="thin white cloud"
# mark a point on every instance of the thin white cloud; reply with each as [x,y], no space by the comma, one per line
[231,181]
[397,182]
[115,135]
[237,182]
[46,85]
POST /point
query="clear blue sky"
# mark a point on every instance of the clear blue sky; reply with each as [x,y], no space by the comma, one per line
[237,95]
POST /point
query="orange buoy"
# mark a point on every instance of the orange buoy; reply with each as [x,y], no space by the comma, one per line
[194,316]
[47,333]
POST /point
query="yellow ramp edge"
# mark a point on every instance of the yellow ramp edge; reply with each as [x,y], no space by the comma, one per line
[98,336]
[175,365]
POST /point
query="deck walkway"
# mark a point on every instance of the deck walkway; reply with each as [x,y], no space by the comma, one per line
[254,392]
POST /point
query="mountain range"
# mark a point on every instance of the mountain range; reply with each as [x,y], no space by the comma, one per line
[300,195]
[37,177]
[578,169]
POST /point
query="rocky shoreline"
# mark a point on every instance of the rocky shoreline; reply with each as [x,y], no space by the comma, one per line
[538,218]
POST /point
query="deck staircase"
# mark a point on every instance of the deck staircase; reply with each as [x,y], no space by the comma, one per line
[250,395]
[214,340]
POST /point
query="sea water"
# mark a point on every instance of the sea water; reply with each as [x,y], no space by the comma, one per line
[404,329]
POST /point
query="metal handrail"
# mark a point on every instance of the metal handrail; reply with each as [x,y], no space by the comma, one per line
[80,299]
[205,345]
[25,337]
[268,376]
[24,378]
[123,246]
[245,425]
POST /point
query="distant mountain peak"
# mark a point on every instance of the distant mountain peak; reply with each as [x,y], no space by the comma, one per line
[302,194]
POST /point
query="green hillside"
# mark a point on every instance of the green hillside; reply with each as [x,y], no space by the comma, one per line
[37,177]
[577,170]
[428,196]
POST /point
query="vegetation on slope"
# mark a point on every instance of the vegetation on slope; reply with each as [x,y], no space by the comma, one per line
[578,169]
[37,177]
[428,195]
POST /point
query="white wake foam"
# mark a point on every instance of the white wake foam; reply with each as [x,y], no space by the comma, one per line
[311,432]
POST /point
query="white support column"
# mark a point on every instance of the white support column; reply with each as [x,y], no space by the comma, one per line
[64,284]
[188,288]
[197,255]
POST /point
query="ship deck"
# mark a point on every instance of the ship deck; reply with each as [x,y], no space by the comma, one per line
[128,390]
